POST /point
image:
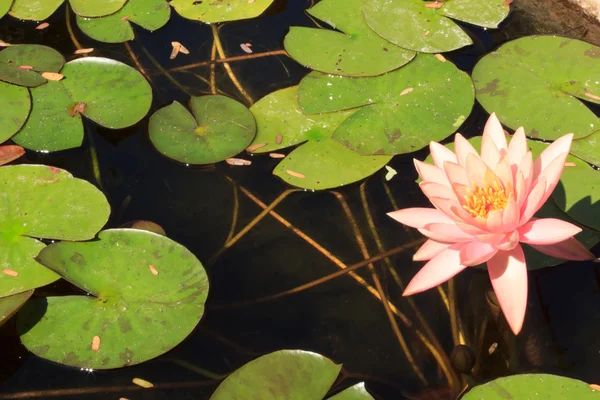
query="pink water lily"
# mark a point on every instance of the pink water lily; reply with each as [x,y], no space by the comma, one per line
[484,206]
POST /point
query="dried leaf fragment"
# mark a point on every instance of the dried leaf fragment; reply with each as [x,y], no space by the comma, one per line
[124,18]
[250,1]
[10,153]
[84,51]
[4,44]
[178,48]
[507,3]
[406,91]
[255,147]
[153,269]
[440,57]
[25,67]
[78,108]
[425,34]
[595,387]
[278,138]
[246,48]
[52,76]
[237,161]
[41,26]
[276,155]
[493,348]
[10,272]
[435,4]
[96,343]
[142,383]
[570,164]
[295,174]
[391,172]
[592,96]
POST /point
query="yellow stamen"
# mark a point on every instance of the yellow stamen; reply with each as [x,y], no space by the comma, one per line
[482,200]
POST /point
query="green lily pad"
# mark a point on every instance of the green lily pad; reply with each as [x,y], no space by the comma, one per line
[96,8]
[588,148]
[38,10]
[137,314]
[15,104]
[402,111]
[42,202]
[354,51]
[117,28]
[39,58]
[412,25]
[538,82]
[217,128]
[356,392]
[284,374]
[55,121]
[4,7]
[530,386]
[11,304]
[213,11]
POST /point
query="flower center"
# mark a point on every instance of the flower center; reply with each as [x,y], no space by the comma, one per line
[482,200]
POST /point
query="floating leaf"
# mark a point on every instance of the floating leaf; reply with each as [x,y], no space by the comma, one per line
[284,374]
[53,125]
[11,304]
[412,25]
[137,315]
[42,202]
[217,128]
[37,58]
[389,123]
[15,104]
[34,10]
[4,7]
[356,392]
[97,8]
[355,51]
[530,386]
[146,226]
[117,28]
[10,153]
[213,11]
[588,148]
[537,81]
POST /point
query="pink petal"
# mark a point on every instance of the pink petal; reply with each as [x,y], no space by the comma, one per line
[534,201]
[508,273]
[517,146]
[560,146]
[494,130]
[438,270]
[430,249]
[552,174]
[509,241]
[447,233]
[432,189]
[489,152]
[431,173]
[570,249]
[475,253]
[504,173]
[547,231]
[525,175]
[494,221]
[510,217]
[476,170]
[456,173]
[419,217]
[491,238]
[463,148]
[441,154]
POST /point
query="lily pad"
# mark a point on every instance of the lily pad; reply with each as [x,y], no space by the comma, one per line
[416,25]
[11,304]
[37,201]
[147,295]
[402,111]
[538,82]
[354,51]
[23,64]
[213,11]
[284,374]
[588,148]
[217,128]
[96,8]
[529,386]
[34,10]
[4,7]
[117,28]
[15,104]
[356,392]
[108,92]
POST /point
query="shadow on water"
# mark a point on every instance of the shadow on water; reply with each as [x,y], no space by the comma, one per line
[340,318]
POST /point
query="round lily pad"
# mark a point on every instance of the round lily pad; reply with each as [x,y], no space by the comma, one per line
[147,294]
[356,392]
[24,64]
[11,304]
[353,51]
[284,374]
[96,8]
[213,11]
[15,104]
[402,111]
[538,82]
[42,202]
[420,26]
[533,386]
[217,128]
[588,148]
[34,10]
[117,28]
[89,88]
[4,7]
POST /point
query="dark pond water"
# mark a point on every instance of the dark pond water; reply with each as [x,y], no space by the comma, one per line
[340,319]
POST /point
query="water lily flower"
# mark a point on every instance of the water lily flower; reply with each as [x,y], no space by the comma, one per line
[484,206]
